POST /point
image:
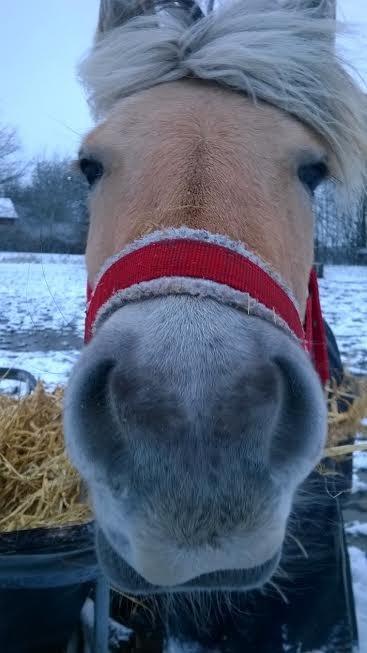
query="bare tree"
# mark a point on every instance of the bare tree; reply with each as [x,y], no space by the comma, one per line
[56,193]
[340,231]
[51,203]
[10,168]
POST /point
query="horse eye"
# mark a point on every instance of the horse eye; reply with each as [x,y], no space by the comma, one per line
[91,169]
[312,174]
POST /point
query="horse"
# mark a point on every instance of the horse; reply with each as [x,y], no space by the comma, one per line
[194,414]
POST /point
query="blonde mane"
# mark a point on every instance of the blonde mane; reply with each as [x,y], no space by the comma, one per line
[284,56]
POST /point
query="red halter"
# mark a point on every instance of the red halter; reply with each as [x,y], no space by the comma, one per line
[183,257]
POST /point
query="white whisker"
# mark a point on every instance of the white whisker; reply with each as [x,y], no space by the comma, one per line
[299,544]
[277,588]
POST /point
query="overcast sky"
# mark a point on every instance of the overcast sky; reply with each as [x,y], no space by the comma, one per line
[40,43]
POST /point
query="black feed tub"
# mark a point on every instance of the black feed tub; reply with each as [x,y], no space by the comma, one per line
[21,377]
[45,577]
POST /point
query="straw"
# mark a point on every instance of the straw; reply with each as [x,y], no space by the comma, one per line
[38,485]
[342,426]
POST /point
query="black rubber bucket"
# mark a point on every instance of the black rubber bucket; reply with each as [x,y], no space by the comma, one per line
[45,577]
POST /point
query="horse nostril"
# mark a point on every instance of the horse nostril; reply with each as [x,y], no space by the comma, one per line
[143,399]
[86,411]
[301,415]
[288,371]
[88,397]
[95,385]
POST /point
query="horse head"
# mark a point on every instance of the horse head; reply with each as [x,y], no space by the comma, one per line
[192,419]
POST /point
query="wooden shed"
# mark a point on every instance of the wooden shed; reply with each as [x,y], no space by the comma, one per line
[8,214]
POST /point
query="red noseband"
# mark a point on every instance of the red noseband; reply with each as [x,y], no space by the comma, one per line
[201,260]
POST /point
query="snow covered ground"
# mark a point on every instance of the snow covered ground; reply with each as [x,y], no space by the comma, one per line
[343,294]
[42,301]
[42,313]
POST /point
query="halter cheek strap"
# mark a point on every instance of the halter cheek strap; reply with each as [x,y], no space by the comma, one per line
[315,335]
[190,265]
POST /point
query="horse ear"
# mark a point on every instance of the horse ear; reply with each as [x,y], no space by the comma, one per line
[113,13]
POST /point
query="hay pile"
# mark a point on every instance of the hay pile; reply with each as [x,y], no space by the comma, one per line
[343,425]
[40,488]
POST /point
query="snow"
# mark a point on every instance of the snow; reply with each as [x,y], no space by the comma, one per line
[358,485]
[53,367]
[42,298]
[343,293]
[356,528]
[40,257]
[117,633]
[360,459]
[7,209]
[358,561]
[359,465]
[39,292]
[177,646]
